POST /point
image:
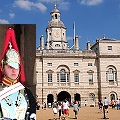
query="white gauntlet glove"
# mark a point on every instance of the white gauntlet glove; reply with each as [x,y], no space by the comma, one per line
[33,116]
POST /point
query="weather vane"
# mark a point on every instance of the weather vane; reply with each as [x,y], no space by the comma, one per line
[55,4]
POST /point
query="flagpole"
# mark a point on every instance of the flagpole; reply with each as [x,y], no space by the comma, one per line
[74,33]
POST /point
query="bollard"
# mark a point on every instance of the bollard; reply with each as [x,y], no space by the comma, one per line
[104,113]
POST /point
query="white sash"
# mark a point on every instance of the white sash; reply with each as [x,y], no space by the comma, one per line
[10,90]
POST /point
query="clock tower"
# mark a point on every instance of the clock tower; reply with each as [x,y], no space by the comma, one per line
[56,32]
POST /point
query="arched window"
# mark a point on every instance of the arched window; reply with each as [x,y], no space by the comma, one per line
[62,75]
[56,16]
[111,75]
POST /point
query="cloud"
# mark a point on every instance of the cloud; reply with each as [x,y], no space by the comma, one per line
[3,21]
[62,4]
[12,15]
[41,7]
[47,1]
[69,38]
[27,5]
[90,2]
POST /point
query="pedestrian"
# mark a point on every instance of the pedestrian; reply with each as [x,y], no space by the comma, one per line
[55,110]
[112,104]
[117,104]
[37,105]
[75,109]
[44,106]
[106,103]
[100,104]
[60,109]
[16,100]
[65,108]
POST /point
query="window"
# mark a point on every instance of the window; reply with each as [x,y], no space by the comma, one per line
[76,78]
[111,75]
[57,45]
[55,16]
[50,77]
[75,64]
[109,47]
[92,96]
[62,75]
[49,64]
[89,64]
[90,77]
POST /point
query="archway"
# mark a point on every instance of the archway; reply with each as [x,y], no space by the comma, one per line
[77,97]
[50,100]
[64,95]
[113,95]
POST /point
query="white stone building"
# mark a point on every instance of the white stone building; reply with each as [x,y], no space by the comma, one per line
[90,74]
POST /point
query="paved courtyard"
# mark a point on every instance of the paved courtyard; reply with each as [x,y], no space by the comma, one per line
[85,113]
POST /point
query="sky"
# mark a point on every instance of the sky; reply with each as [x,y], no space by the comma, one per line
[93,18]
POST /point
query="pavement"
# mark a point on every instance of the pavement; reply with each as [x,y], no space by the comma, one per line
[85,113]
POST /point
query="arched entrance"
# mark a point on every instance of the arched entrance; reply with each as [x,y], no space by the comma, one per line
[50,100]
[63,95]
[77,97]
[113,95]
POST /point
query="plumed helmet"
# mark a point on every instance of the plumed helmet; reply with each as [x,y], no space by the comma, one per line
[11,58]
[10,54]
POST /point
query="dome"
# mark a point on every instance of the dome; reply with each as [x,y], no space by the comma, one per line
[56,24]
[55,11]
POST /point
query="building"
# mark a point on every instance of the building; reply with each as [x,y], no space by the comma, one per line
[82,75]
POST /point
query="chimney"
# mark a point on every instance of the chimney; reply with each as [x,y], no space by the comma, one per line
[42,42]
[76,43]
[88,45]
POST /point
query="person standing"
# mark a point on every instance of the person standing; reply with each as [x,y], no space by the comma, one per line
[55,110]
[60,109]
[100,104]
[65,108]
[106,103]
[117,104]
[37,105]
[75,109]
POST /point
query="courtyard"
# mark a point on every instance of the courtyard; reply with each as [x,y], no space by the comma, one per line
[85,113]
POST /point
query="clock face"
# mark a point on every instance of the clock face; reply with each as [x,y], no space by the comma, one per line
[56,33]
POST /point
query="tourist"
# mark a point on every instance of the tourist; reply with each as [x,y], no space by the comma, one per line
[106,103]
[75,109]
[100,104]
[60,109]
[65,108]
[55,110]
